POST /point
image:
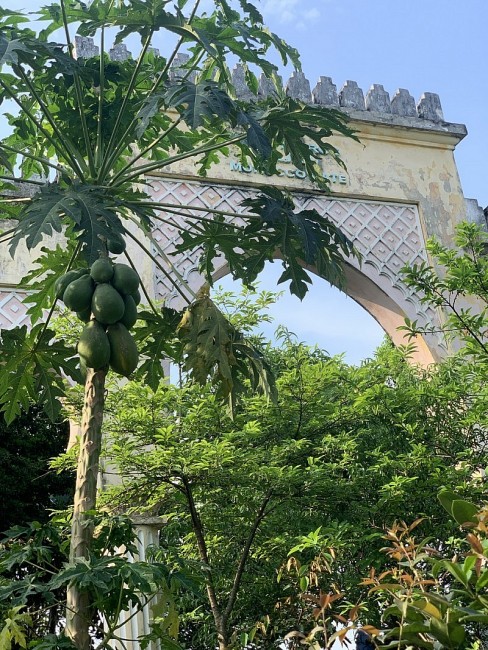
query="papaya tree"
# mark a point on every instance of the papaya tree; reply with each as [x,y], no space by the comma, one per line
[86,133]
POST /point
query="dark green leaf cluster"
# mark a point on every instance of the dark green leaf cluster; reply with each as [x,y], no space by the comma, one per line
[33,367]
[34,573]
[28,488]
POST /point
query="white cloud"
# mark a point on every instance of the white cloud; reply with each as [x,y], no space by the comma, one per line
[289,11]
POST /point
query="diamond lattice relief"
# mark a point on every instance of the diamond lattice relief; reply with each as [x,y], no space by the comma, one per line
[12,309]
[388,236]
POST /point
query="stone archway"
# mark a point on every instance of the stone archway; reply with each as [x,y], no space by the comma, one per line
[387,234]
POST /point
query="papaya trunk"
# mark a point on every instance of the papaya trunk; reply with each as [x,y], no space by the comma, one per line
[78,610]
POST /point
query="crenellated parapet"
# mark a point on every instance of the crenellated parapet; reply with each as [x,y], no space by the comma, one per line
[375,105]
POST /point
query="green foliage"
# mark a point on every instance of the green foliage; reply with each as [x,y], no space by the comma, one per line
[13,630]
[343,453]
[96,130]
[212,346]
[305,236]
[34,574]
[34,364]
[458,284]
[430,599]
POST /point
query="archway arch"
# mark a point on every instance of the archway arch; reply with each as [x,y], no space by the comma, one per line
[387,234]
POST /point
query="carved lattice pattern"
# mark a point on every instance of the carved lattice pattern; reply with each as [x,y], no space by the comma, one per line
[388,235]
[12,309]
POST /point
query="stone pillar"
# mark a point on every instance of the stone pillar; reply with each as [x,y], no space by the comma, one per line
[134,625]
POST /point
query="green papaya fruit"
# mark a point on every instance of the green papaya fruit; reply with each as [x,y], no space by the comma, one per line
[136,296]
[130,314]
[125,279]
[84,315]
[102,270]
[83,370]
[78,294]
[123,350]
[107,304]
[62,282]
[116,245]
[94,346]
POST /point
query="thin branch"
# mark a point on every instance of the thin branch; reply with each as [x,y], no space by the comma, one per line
[160,77]
[4,239]
[78,92]
[111,156]
[144,290]
[99,146]
[15,199]
[146,150]
[163,74]
[175,270]
[74,156]
[40,159]
[202,549]
[245,554]
[51,311]
[38,125]
[223,213]
[14,179]
[143,169]
[191,229]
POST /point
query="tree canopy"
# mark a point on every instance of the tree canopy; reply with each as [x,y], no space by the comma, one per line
[28,488]
[344,452]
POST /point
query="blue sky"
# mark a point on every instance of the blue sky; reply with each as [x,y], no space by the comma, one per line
[422,45]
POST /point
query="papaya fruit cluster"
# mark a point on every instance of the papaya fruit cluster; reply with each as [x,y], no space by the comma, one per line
[105,297]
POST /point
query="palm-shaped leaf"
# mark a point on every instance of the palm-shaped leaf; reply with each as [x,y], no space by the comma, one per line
[88,209]
[198,102]
[214,348]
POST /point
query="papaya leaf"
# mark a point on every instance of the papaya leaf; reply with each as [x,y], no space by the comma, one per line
[214,348]
[207,337]
[89,210]
[151,107]
[297,238]
[40,280]
[198,102]
[33,367]
[256,136]
[157,342]
[10,50]
[295,126]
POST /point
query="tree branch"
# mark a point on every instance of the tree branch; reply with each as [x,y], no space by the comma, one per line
[245,555]
[202,549]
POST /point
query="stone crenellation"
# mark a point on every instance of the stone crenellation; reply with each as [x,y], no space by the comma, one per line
[350,98]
